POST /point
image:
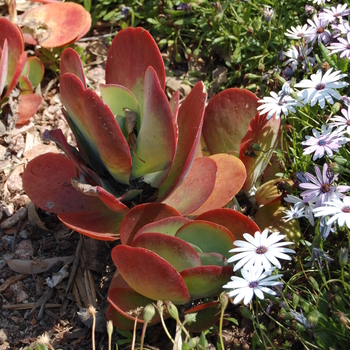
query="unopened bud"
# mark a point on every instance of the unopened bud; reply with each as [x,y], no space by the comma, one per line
[343,256]
[110,327]
[172,310]
[312,319]
[148,313]
[224,298]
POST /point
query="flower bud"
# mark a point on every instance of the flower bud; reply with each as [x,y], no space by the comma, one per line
[148,313]
[172,310]
[110,327]
[312,319]
[343,257]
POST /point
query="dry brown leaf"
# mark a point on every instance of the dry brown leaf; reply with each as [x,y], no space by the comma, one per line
[36,266]
[33,217]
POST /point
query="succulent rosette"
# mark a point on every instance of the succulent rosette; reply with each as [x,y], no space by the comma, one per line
[133,145]
[165,256]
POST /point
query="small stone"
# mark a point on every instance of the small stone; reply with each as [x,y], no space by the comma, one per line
[3,336]
[14,219]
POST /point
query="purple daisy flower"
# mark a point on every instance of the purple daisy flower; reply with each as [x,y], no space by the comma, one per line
[318,31]
[342,46]
[321,188]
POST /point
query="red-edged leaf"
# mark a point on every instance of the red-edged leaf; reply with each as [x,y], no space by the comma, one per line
[207,315]
[119,320]
[71,63]
[28,106]
[25,85]
[15,42]
[263,133]
[196,188]
[212,259]
[206,281]
[111,143]
[17,73]
[174,250]
[3,65]
[111,202]
[142,215]
[149,274]
[227,118]
[189,121]
[34,70]
[268,192]
[126,300]
[156,140]
[174,105]
[234,221]
[209,237]
[70,25]
[229,167]
[132,51]
[167,226]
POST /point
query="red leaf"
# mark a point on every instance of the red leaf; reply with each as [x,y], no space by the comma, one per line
[28,106]
[71,63]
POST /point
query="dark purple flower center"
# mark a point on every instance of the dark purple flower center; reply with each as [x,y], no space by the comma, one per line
[322,142]
[300,35]
[346,209]
[348,46]
[320,86]
[324,188]
[261,250]
[253,284]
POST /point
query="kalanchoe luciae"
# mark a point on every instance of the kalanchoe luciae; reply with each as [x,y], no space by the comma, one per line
[165,256]
[16,68]
[134,146]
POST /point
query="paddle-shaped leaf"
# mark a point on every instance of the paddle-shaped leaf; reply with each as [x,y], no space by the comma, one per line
[133,50]
[233,220]
[174,250]
[262,134]
[227,118]
[149,274]
[71,63]
[206,281]
[209,237]
[156,140]
[28,106]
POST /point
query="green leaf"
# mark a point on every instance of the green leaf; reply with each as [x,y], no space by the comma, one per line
[246,313]
[87,5]
[295,300]
[231,319]
[314,283]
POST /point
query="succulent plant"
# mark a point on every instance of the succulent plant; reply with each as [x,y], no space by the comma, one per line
[16,68]
[165,256]
[133,145]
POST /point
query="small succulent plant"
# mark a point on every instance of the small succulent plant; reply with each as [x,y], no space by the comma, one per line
[134,146]
[165,256]
[16,68]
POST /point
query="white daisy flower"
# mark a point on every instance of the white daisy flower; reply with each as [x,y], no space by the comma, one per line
[318,31]
[342,123]
[343,46]
[254,281]
[320,2]
[338,210]
[341,28]
[335,13]
[298,32]
[293,213]
[307,207]
[277,104]
[260,250]
[299,54]
[321,87]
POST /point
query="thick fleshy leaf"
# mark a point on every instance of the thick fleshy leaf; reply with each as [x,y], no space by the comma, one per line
[207,315]
[174,105]
[110,141]
[229,168]
[25,85]
[28,106]
[227,118]
[209,237]
[47,181]
[196,188]
[71,63]
[3,65]
[212,259]
[120,321]
[72,23]
[175,251]
[149,274]
[189,121]
[132,51]
[17,73]
[167,226]
[206,281]
[15,42]
[118,99]
[264,134]
[126,300]
[271,217]
[142,215]
[156,140]
[269,192]
[233,220]
[34,70]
